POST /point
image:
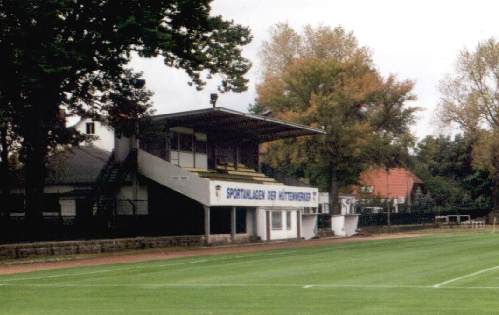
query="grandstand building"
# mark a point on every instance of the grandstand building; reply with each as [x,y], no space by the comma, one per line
[191,173]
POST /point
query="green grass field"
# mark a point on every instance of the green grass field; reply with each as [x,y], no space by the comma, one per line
[440,274]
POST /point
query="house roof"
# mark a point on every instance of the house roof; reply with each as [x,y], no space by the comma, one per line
[76,166]
[396,182]
[229,124]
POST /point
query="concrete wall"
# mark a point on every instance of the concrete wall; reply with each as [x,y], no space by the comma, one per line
[15,251]
[309,226]
[280,234]
[251,222]
[174,177]
[122,147]
[344,225]
[284,233]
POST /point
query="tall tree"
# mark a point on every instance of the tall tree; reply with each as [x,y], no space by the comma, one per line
[65,52]
[470,100]
[330,82]
[5,173]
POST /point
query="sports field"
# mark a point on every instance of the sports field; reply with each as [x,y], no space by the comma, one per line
[438,274]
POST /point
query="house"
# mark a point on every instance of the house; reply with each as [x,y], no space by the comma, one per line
[192,173]
[396,184]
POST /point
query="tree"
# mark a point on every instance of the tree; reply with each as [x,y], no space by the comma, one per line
[446,167]
[470,100]
[66,53]
[5,173]
[330,82]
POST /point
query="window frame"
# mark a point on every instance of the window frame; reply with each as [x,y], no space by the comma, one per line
[276,220]
[180,143]
[90,128]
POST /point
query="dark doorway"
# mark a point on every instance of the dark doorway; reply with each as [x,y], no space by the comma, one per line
[220,220]
[172,213]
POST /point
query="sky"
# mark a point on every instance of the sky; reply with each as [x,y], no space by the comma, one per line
[416,40]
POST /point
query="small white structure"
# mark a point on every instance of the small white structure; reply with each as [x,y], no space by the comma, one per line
[346,222]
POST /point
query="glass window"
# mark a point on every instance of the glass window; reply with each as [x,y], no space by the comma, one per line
[367,189]
[288,220]
[90,128]
[276,220]
[201,146]
[185,142]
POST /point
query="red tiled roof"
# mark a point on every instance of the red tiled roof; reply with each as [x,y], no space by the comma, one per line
[394,183]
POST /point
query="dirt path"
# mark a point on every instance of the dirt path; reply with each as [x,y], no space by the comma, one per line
[169,253]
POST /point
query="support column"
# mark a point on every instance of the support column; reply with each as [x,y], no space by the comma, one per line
[233,224]
[267,224]
[255,222]
[207,223]
[298,224]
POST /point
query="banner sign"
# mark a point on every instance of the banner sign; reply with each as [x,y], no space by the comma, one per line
[243,194]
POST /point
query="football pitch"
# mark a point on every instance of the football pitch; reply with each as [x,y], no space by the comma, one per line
[447,273]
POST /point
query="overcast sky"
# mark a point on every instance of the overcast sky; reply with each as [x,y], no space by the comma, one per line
[417,40]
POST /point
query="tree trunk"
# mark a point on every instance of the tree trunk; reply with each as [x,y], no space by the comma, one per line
[35,145]
[4,172]
[495,195]
[334,204]
[495,191]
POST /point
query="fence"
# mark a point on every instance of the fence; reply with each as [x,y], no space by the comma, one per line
[14,229]
[371,219]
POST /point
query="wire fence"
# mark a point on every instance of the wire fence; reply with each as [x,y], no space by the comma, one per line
[407,218]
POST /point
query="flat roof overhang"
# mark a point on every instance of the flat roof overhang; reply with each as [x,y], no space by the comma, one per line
[229,124]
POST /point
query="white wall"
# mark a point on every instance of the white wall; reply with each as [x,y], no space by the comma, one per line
[174,177]
[201,161]
[309,226]
[250,222]
[104,134]
[122,146]
[281,234]
[186,159]
[284,233]
[344,225]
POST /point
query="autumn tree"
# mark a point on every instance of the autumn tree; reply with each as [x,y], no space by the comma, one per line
[323,78]
[59,52]
[470,101]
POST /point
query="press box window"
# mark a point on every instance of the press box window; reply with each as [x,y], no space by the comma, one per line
[200,144]
[90,128]
[288,220]
[185,142]
[276,220]
[173,141]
